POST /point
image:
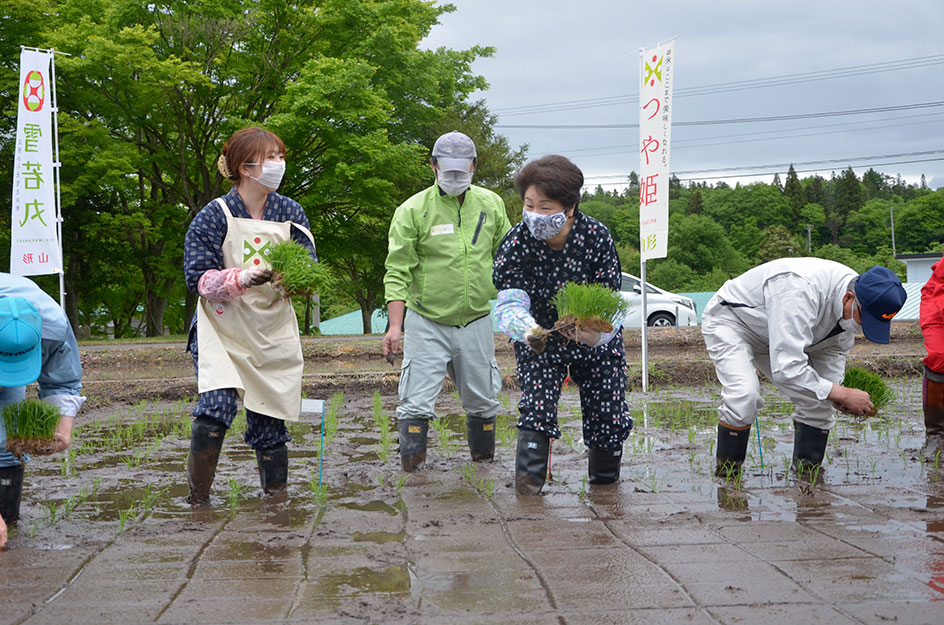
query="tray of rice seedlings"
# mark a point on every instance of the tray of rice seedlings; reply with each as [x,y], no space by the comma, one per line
[31,427]
[872,384]
[295,272]
[582,307]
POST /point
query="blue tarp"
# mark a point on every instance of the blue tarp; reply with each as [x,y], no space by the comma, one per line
[351,322]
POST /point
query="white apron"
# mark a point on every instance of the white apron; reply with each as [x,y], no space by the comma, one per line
[252,343]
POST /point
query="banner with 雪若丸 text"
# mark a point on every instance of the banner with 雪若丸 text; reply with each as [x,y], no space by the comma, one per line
[34,246]
[655,125]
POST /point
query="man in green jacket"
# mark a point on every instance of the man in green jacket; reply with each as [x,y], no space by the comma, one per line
[442,243]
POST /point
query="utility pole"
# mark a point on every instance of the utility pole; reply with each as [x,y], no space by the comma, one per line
[891,209]
[809,238]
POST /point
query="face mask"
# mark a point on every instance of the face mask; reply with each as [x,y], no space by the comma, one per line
[850,325]
[544,227]
[272,172]
[454,183]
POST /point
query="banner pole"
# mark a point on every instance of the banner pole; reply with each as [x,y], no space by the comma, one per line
[55,168]
[645,335]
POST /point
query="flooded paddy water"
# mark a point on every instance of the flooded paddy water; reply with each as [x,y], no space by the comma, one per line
[105,536]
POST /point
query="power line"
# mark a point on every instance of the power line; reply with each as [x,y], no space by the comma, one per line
[821,162]
[727,87]
[684,144]
[742,120]
[781,167]
[676,147]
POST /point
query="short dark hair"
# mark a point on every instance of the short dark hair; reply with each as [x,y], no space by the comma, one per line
[554,176]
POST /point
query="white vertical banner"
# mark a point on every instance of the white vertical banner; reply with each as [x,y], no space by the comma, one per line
[34,248]
[655,125]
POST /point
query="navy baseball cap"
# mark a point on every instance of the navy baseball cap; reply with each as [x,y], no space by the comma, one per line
[880,296]
[21,329]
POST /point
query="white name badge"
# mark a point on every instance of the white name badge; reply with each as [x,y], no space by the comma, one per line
[441,229]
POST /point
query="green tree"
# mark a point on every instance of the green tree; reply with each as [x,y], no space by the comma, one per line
[813,216]
[155,88]
[920,223]
[701,244]
[670,274]
[695,203]
[848,200]
[793,191]
[869,227]
[777,242]
[816,192]
[874,184]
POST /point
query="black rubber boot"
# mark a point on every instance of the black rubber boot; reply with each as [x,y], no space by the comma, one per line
[531,462]
[481,438]
[206,441]
[412,443]
[11,491]
[604,465]
[732,448]
[809,448]
[273,469]
[933,404]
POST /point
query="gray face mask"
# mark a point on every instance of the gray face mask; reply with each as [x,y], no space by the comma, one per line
[544,227]
[454,183]
[850,325]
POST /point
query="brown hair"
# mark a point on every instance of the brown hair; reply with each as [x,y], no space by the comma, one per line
[554,176]
[246,146]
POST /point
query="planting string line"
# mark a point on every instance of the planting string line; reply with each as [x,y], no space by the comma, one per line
[321,453]
[760,448]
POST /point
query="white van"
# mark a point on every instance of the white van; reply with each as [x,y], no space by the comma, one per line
[663,308]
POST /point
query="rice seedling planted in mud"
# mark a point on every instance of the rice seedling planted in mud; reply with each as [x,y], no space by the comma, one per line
[123,517]
[446,439]
[67,462]
[485,486]
[233,492]
[295,272]
[319,490]
[873,384]
[331,418]
[382,421]
[505,435]
[30,426]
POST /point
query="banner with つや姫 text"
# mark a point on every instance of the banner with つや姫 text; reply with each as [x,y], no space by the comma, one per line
[655,125]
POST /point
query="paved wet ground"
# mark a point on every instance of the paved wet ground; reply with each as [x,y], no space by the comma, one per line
[105,537]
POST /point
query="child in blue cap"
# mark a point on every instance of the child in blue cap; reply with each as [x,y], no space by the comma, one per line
[36,344]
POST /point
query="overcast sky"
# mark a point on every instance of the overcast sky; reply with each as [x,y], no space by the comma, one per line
[551,51]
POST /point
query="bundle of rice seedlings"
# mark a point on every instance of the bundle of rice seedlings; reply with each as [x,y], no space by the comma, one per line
[588,307]
[582,307]
[295,272]
[31,427]
[872,384]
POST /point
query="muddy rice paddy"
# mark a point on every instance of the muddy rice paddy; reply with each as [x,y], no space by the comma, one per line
[106,538]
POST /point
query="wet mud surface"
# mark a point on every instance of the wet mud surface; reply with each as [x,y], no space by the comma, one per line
[105,536]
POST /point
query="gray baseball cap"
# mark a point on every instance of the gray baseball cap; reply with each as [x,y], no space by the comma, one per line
[454,151]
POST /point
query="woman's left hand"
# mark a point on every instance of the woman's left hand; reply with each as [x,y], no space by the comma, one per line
[587,337]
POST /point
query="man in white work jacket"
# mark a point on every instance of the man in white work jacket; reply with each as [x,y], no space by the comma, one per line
[794,319]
